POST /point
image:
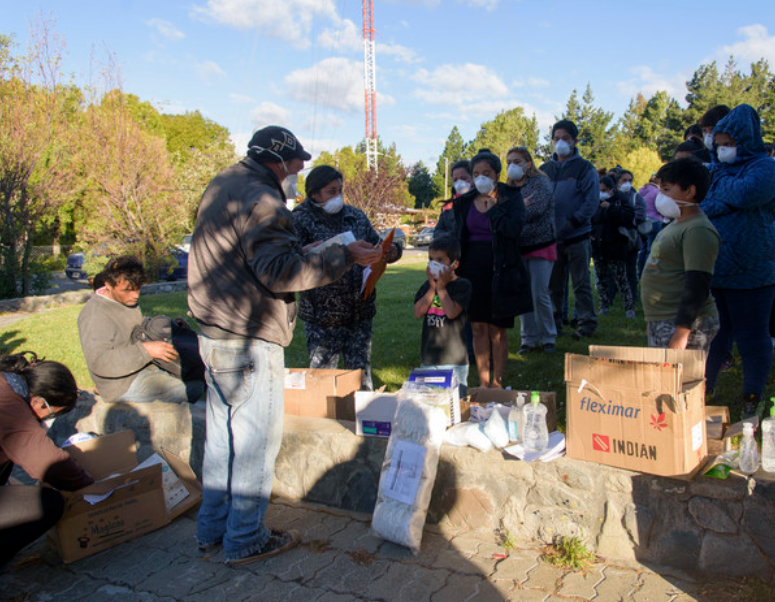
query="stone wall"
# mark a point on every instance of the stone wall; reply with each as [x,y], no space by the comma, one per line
[33,304]
[724,527]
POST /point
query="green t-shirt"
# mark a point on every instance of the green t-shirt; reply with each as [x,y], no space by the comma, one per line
[690,245]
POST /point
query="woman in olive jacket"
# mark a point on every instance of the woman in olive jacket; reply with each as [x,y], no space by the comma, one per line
[487,222]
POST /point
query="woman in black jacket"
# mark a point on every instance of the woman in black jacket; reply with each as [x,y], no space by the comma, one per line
[610,225]
[487,222]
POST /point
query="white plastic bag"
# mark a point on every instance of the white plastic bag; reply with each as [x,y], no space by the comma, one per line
[496,430]
[410,465]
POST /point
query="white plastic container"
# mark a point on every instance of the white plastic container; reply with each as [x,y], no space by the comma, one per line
[515,418]
[535,434]
[749,451]
[768,441]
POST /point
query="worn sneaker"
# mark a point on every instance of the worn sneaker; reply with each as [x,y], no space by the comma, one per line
[751,406]
[278,542]
[209,547]
[525,349]
[550,348]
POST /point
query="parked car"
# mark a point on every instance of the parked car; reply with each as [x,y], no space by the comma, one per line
[424,238]
[74,268]
[399,237]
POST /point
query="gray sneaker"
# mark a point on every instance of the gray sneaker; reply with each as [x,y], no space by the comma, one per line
[278,542]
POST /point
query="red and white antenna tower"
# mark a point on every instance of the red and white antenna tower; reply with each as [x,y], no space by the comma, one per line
[370,83]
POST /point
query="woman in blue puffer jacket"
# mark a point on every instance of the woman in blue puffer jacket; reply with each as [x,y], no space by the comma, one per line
[741,205]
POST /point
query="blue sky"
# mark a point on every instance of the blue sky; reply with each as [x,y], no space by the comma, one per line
[440,63]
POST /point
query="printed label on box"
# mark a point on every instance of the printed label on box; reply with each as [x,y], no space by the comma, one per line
[601,443]
[376,428]
[697,436]
[403,477]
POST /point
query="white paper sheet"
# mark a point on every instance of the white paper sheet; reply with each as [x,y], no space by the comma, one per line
[405,470]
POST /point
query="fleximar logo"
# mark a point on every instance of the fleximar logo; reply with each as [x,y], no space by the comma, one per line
[609,409]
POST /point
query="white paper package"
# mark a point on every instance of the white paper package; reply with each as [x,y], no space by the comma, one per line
[409,469]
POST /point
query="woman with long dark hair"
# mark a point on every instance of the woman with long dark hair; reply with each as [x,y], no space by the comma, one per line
[33,391]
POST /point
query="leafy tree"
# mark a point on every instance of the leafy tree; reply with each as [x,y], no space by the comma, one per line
[508,129]
[454,150]
[34,129]
[421,185]
[642,162]
[596,134]
[191,131]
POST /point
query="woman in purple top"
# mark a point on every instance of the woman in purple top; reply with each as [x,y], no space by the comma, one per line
[487,222]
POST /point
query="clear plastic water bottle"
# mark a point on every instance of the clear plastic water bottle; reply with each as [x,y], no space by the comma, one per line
[535,435]
[515,416]
[749,451]
[768,441]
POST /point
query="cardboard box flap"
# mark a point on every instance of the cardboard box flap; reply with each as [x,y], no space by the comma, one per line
[123,487]
[648,379]
[189,480]
[104,456]
[692,360]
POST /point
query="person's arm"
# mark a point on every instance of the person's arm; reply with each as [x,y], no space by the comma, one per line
[25,443]
[107,354]
[537,199]
[424,298]
[508,215]
[446,225]
[750,189]
[695,292]
[590,192]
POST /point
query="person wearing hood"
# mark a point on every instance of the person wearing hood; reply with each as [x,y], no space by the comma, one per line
[337,320]
[741,205]
[576,192]
[487,223]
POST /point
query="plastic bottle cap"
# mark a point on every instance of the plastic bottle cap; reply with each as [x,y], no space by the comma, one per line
[772,410]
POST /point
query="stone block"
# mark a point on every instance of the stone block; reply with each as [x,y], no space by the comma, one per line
[614,541]
[759,523]
[467,508]
[715,515]
[734,555]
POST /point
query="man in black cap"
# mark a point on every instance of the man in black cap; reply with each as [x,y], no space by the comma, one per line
[244,267]
[576,198]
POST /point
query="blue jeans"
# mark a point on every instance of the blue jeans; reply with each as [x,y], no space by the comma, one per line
[575,258]
[744,316]
[538,326]
[245,399]
[154,384]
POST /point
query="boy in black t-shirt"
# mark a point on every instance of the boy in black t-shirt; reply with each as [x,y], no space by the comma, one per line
[442,302]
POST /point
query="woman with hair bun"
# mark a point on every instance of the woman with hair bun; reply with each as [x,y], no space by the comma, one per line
[487,222]
[33,391]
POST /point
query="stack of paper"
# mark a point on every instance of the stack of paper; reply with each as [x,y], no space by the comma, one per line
[555,449]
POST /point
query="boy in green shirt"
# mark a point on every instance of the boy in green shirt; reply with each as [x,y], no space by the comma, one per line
[675,285]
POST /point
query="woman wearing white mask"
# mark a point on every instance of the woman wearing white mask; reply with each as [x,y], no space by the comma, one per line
[741,205]
[462,182]
[337,320]
[538,246]
[487,222]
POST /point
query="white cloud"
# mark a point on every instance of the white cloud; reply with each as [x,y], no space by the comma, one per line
[165,28]
[269,113]
[240,141]
[756,44]
[241,98]
[647,81]
[451,84]
[209,70]
[288,20]
[401,53]
[345,36]
[336,83]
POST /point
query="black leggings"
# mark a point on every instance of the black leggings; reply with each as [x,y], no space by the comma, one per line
[26,513]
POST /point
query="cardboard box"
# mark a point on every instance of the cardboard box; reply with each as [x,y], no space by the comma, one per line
[135,505]
[481,397]
[321,393]
[637,408]
[716,424]
[374,412]
[443,379]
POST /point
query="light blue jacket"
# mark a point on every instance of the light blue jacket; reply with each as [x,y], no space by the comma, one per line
[741,205]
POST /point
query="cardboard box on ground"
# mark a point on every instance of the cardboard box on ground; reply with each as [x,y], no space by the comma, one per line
[136,502]
[318,393]
[637,408]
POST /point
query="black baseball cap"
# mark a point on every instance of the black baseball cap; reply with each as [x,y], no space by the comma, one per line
[273,143]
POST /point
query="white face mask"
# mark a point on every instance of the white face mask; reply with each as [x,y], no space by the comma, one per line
[604,196]
[484,184]
[333,205]
[461,186]
[626,187]
[562,148]
[289,186]
[726,154]
[708,140]
[668,206]
[436,268]
[515,172]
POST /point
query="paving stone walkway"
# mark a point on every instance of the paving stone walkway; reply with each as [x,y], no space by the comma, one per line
[340,561]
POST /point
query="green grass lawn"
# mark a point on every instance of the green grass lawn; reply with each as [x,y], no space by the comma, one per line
[396,341]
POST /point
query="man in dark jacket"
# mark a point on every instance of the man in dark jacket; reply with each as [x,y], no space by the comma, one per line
[244,267]
[576,190]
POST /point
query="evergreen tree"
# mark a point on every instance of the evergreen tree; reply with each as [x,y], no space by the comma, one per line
[508,129]
[421,185]
[454,150]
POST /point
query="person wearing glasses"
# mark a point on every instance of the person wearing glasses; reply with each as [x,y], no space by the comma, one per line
[31,392]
